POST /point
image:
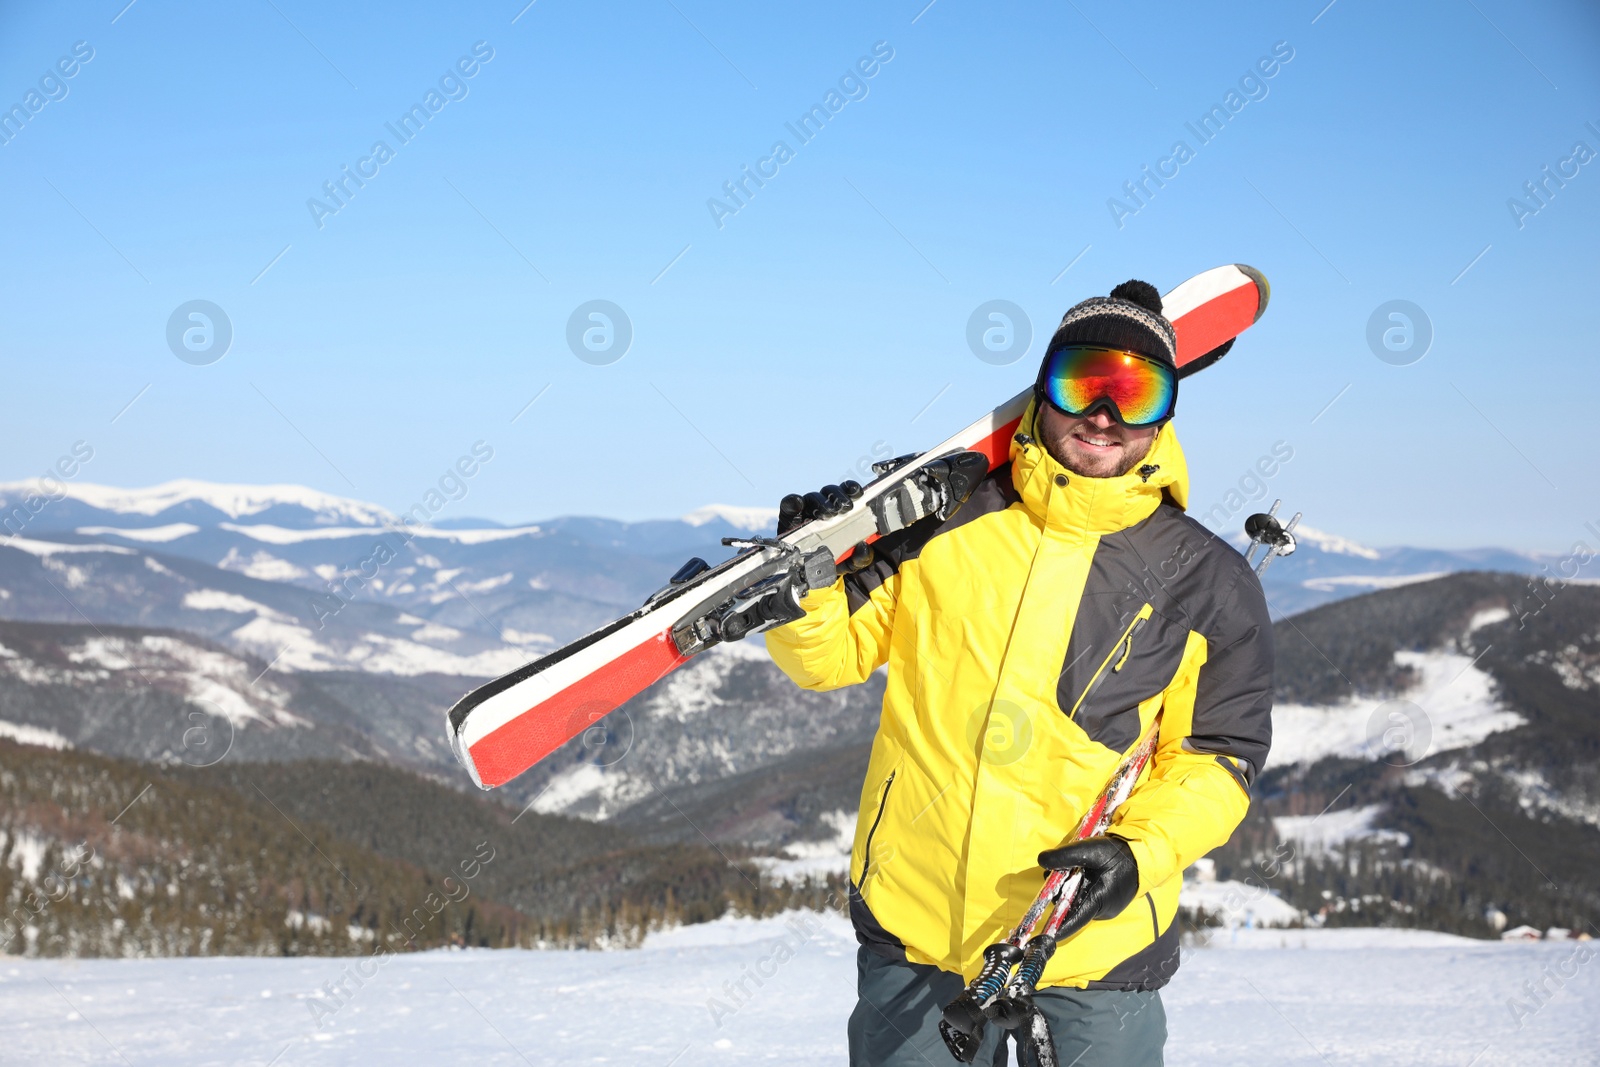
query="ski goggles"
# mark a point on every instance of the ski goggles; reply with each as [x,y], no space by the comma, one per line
[1136,390]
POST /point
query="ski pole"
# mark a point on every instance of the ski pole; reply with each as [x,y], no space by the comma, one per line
[1267,533]
[1013,1008]
[963,1019]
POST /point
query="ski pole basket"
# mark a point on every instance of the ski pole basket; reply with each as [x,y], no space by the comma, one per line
[1266,533]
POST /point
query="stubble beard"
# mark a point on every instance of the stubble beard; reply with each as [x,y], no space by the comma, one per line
[1059,433]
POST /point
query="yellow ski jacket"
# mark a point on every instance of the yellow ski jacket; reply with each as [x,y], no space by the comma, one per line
[1030,638]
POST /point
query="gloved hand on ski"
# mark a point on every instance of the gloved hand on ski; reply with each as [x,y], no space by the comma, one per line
[1110,878]
[932,493]
[795,509]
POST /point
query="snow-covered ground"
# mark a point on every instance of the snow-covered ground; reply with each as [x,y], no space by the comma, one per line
[1283,997]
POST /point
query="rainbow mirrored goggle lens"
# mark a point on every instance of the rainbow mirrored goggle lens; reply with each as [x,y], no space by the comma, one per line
[1137,391]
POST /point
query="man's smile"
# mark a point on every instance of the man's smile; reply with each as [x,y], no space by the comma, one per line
[1096,442]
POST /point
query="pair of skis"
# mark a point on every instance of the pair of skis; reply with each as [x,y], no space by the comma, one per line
[504,727]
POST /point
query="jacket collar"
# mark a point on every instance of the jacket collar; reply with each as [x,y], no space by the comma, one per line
[1076,506]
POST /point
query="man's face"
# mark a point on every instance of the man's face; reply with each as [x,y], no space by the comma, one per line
[1095,445]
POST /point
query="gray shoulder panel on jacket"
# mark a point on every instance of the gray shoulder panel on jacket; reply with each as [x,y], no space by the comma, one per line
[1194,581]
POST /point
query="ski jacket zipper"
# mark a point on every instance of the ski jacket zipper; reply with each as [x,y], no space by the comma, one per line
[1124,646]
[866,856]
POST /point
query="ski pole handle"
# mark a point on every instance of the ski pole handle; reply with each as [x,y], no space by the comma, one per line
[1040,949]
[998,961]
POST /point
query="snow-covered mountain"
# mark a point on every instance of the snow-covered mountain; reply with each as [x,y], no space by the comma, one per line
[524,586]
[371,628]
[60,504]
[1327,567]
[170,697]
[554,577]
[180,501]
[1433,758]
[288,626]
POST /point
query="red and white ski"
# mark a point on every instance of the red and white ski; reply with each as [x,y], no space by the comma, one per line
[506,726]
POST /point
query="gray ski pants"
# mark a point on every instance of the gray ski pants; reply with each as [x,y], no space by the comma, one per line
[896,1021]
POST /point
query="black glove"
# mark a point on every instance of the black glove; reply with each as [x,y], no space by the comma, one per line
[1110,878]
[825,503]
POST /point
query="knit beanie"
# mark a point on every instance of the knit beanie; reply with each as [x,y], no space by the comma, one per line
[1129,319]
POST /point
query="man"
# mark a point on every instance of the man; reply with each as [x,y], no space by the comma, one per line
[1030,639]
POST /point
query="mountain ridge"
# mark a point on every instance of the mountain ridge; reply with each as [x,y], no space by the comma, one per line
[310,538]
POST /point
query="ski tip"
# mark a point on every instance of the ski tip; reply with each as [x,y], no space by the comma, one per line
[452,729]
[464,755]
[1263,289]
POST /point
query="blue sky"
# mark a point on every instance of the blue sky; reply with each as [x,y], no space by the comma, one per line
[826,319]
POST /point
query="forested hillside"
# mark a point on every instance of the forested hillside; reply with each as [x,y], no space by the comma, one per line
[1453,827]
[106,857]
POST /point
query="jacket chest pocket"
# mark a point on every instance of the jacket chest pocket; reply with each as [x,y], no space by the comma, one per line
[1115,660]
[1114,663]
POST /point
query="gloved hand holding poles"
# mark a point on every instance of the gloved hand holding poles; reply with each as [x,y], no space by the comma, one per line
[1110,879]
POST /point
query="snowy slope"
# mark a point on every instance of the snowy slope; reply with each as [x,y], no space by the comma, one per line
[1238,904]
[1452,705]
[1297,998]
[288,626]
[168,696]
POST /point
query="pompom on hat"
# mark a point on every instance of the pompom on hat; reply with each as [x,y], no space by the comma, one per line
[1129,319]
